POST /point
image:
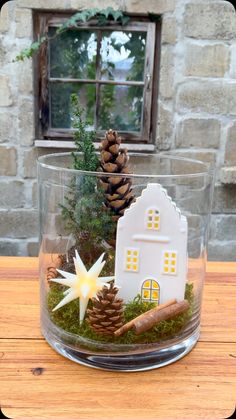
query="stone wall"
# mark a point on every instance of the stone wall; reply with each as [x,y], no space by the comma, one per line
[196,108]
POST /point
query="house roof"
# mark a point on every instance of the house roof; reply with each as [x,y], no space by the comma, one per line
[154,193]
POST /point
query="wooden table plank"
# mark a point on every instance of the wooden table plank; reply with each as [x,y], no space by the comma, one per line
[38,383]
[19,268]
[221,267]
[218,317]
[34,376]
[19,316]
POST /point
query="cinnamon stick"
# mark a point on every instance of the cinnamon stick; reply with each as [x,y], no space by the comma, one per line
[150,319]
[128,326]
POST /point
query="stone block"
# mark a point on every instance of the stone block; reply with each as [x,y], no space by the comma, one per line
[44,5]
[9,248]
[8,123]
[33,248]
[5,96]
[29,163]
[230,149]
[130,6]
[29,160]
[204,156]
[166,86]
[232,71]
[8,163]
[213,97]
[34,195]
[4,18]
[223,227]
[25,78]
[12,194]
[222,251]
[204,20]
[164,129]
[228,175]
[206,61]
[168,33]
[197,132]
[3,53]
[152,6]
[26,122]
[24,23]
[19,224]
[100,4]
[231,94]
[224,199]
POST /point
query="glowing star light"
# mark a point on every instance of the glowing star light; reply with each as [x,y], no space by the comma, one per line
[83,285]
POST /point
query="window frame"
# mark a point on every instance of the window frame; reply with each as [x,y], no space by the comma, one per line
[129,254]
[150,288]
[150,220]
[63,138]
[170,258]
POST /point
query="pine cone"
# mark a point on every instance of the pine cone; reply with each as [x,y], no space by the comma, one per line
[118,191]
[52,269]
[106,316]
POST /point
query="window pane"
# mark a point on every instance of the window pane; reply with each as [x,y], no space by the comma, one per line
[123,55]
[120,107]
[60,103]
[73,54]
[131,260]
[170,262]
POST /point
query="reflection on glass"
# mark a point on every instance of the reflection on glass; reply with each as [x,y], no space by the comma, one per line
[60,103]
[123,55]
[73,54]
[120,107]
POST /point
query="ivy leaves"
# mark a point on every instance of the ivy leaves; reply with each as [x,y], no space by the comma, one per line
[29,52]
[101,17]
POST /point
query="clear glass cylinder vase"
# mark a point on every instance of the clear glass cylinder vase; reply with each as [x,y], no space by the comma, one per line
[103,274]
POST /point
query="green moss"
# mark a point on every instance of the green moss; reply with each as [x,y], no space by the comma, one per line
[67,318]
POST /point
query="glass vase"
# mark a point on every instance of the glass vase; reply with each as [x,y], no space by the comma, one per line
[149,257]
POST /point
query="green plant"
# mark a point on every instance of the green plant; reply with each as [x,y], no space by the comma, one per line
[67,318]
[102,16]
[84,212]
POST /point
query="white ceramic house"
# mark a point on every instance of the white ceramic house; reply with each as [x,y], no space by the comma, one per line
[151,248]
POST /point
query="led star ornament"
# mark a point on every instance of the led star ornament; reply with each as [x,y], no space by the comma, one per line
[83,284]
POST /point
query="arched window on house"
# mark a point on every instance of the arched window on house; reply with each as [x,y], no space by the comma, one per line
[150,291]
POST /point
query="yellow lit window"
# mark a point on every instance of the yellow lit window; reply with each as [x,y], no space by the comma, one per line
[132,260]
[150,291]
[152,219]
[170,262]
[146,294]
[154,295]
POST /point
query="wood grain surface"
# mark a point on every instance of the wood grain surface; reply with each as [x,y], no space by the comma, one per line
[37,383]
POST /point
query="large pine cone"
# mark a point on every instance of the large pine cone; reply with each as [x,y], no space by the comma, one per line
[106,316]
[118,191]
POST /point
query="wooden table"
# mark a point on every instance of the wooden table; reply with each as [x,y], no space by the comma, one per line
[38,383]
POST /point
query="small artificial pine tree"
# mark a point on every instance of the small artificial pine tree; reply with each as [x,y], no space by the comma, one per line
[107,312]
[85,214]
[118,189]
